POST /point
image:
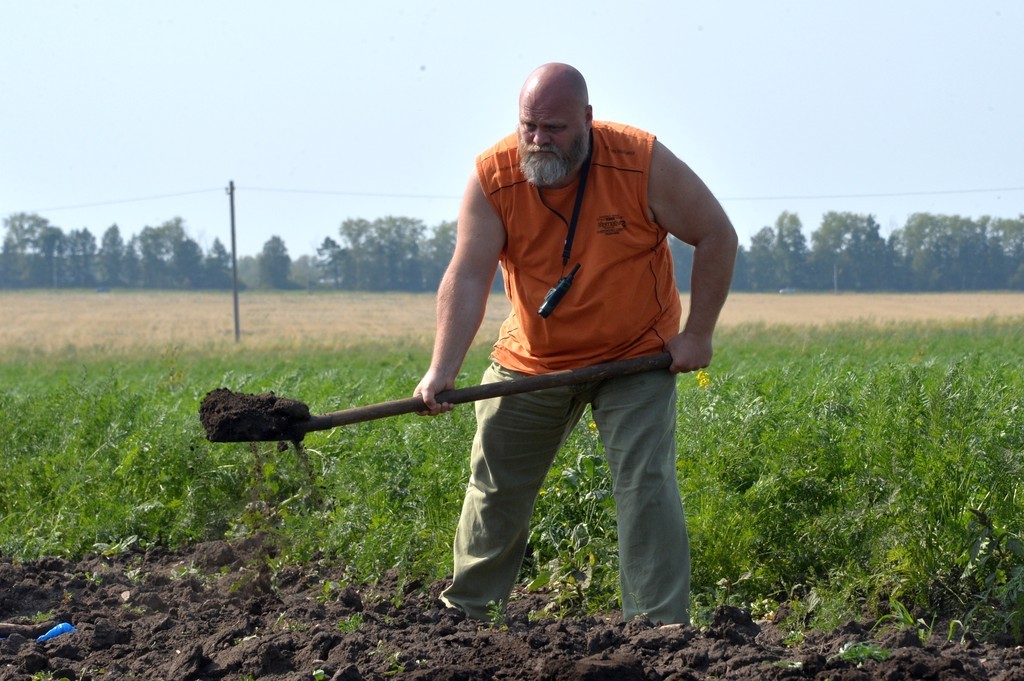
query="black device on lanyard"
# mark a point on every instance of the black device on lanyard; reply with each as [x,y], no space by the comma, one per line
[558,291]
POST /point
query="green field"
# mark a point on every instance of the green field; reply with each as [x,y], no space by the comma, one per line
[841,471]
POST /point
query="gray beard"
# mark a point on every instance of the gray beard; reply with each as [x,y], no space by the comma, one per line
[544,170]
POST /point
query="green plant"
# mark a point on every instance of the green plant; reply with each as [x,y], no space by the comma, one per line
[186,572]
[116,548]
[285,624]
[329,590]
[573,537]
[995,571]
[496,615]
[392,661]
[764,608]
[901,618]
[351,624]
[859,652]
[793,638]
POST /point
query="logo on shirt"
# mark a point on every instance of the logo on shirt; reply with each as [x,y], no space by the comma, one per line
[611,225]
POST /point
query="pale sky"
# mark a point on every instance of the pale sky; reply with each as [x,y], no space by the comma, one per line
[131,113]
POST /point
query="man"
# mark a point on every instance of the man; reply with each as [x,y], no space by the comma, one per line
[587,205]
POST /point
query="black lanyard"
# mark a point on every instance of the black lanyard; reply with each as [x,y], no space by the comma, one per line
[584,172]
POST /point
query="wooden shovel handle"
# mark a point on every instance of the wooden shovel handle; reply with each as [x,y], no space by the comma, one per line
[486,391]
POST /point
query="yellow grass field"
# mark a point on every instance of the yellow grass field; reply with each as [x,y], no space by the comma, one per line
[125,321]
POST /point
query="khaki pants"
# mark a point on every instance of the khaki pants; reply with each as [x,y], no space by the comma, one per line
[516,442]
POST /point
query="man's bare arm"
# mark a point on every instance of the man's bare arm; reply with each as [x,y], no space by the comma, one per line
[683,205]
[462,295]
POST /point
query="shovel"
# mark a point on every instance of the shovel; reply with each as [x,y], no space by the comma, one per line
[236,417]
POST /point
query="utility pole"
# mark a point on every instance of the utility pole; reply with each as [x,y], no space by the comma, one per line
[234,256]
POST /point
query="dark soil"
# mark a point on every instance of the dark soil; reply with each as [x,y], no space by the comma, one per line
[217,611]
[239,417]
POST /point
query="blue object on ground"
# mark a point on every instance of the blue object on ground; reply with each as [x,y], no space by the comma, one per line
[62,628]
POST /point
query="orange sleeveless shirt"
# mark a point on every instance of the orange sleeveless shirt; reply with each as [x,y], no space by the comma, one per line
[623,301]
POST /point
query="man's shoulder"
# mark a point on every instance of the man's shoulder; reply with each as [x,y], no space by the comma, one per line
[498,166]
[622,145]
[506,145]
[621,129]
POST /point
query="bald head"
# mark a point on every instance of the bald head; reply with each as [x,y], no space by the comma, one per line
[560,82]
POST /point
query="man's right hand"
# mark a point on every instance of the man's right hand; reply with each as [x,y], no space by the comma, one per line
[429,387]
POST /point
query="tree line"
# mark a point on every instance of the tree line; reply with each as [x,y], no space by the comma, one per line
[389,254]
[847,252]
[36,254]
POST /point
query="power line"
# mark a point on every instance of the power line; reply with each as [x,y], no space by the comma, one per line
[344,193]
[872,196]
[140,199]
[739,198]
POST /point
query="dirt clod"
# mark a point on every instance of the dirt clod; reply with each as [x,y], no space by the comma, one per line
[239,417]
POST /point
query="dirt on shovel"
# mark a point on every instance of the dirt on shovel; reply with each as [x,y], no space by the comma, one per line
[239,417]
